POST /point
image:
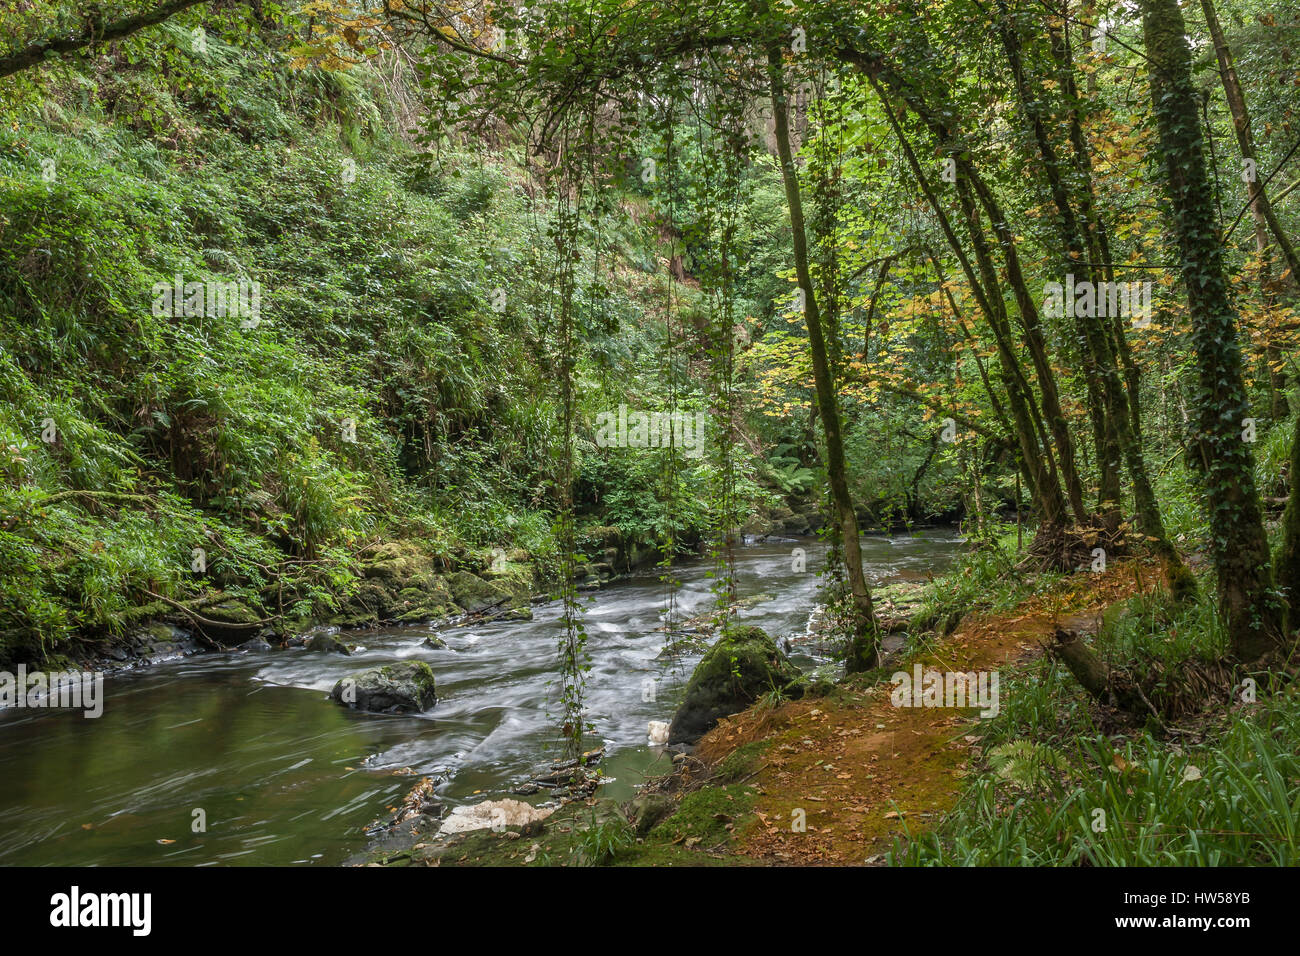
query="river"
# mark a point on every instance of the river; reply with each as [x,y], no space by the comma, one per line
[283,776]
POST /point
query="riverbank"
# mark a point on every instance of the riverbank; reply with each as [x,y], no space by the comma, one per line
[1041,774]
[860,771]
[285,775]
[402,581]
[830,779]
[394,583]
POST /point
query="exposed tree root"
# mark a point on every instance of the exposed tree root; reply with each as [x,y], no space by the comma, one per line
[1160,691]
[1058,548]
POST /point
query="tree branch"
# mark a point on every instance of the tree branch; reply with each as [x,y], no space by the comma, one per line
[95,33]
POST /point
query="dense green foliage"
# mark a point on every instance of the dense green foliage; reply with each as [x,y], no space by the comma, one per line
[479,232]
[404,292]
[401,293]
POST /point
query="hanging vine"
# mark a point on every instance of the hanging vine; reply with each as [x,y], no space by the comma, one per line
[723,144]
[574,659]
[670,472]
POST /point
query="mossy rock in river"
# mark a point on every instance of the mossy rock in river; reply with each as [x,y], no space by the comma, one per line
[396,562]
[329,644]
[229,622]
[404,687]
[476,595]
[518,579]
[740,668]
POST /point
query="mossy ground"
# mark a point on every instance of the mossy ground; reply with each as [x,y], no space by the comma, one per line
[857,770]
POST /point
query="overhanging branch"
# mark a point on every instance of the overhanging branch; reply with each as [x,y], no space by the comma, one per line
[95,33]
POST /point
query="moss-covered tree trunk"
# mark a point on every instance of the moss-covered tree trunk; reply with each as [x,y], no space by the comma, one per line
[1037,345]
[1091,335]
[1260,207]
[1239,547]
[864,647]
[1036,460]
[1090,213]
[1118,434]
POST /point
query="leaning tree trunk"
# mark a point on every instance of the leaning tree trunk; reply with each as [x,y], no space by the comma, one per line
[863,650]
[1090,332]
[1239,547]
[1035,459]
[1036,342]
[1261,209]
[1089,211]
[1119,431]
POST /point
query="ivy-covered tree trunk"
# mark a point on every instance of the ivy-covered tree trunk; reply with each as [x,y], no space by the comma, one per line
[863,652]
[1036,446]
[1238,545]
[1091,335]
[1090,213]
[1084,239]
[1037,344]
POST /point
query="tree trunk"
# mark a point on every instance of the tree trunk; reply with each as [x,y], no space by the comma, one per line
[1238,545]
[1288,557]
[863,653]
[1260,208]
[1083,235]
[1091,333]
[1034,339]
[1095,224]
[1035,460]
[1091,673]
[96,32]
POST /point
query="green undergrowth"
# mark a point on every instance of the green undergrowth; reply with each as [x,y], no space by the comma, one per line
[396,382]
[1057,783]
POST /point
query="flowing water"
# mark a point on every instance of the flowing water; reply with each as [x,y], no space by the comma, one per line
[282,775]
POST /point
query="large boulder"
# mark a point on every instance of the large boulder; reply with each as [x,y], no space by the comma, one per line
[229,622]
[641,556]
[426,599]
[405,687]
[396,563]
[328,644]
[740,668]
[476,595]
